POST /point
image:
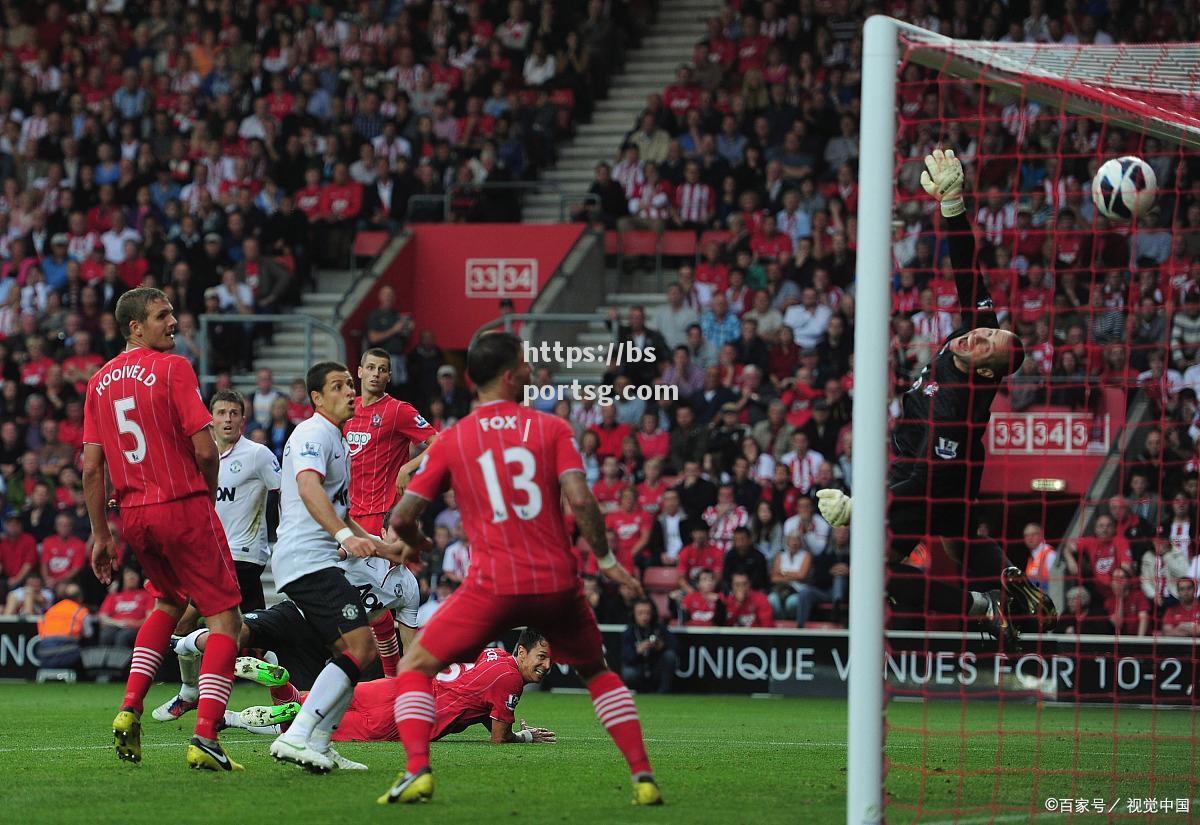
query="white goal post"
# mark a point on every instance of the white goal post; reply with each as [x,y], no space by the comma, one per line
[1147,88]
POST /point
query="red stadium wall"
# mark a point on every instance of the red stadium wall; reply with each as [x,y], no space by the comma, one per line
[451,278]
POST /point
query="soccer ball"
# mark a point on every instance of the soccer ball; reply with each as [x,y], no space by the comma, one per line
[1124,187]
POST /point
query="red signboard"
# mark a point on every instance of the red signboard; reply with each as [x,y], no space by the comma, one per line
[502,278]
[1047,433]
[453,277]
[1050,444]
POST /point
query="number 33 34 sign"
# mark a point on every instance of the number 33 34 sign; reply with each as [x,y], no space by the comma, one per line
[502,277]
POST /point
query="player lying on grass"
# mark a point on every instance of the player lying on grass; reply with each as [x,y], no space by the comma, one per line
[485,692]
[383,594]
[937,446]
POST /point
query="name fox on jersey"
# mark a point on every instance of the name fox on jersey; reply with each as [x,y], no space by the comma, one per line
[134,371]
[498,422]
[357,441]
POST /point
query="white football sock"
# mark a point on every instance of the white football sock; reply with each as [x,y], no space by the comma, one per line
[188,644]
[322,702]
[323,733]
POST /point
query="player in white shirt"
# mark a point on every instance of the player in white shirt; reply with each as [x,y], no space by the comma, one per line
[313,527]
[248,472]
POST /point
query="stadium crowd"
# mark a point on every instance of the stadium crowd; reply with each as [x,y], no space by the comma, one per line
[226,151]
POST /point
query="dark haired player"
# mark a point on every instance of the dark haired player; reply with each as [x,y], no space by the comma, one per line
[484,692]
[380,435]
[313,529]
[510,467]
[937,444]
[145,422]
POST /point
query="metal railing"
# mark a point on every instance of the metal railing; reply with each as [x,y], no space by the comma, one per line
[307,322]
[521,186]
[532,318]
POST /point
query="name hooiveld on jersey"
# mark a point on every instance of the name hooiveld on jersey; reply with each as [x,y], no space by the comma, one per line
[134,371]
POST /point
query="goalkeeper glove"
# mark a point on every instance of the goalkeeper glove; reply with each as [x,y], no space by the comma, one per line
[834,506]
[943,180]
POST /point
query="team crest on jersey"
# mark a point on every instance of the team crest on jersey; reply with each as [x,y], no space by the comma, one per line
[311,449]
[376,420]
[513,698]
[356,441]
[931,389]
[235,466]
[349,612]
[946,448]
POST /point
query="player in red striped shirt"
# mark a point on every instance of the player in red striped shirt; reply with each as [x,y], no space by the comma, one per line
[145,421]
[380,435]
[510,466]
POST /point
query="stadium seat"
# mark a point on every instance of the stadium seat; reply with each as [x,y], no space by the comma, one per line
[790,623]
[719,236]
[677,243]
[612,244]
[662,604]
[660,579]
[643,243]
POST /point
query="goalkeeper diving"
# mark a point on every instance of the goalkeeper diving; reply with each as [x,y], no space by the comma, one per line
[938,453]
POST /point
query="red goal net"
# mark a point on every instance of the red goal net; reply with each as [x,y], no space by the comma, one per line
[1086,472]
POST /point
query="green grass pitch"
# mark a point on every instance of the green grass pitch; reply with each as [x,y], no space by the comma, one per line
[720,759]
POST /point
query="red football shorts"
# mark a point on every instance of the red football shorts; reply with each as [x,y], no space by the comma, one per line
[182,549]
[373,523]
[472,617]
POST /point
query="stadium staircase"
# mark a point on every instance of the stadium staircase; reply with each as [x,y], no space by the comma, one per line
[284,356]
[650,68]
[632,289]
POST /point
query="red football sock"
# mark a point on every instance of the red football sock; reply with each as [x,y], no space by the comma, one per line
[414,717]
[148,649]
[389,648]
[285,693]
[216,681]
[614,705]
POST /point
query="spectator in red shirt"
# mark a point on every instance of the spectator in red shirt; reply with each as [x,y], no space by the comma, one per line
[651,491]
[611,432]
[769,244]
[704,606]
[745,607]
[608,489]
[652,441]
[309,197]
[700,555]
[299,407]
[82,364]
[1094,559]
[1183,619]
[63,553]
[683,94]
[33,371]
[631,524]
[1127,609]
[341,201]
[122,613]
[18,551]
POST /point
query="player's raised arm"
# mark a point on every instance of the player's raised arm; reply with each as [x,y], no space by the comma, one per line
[591,525]
[943,180]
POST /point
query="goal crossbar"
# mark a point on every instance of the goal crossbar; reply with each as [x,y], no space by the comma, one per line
[1153,88]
